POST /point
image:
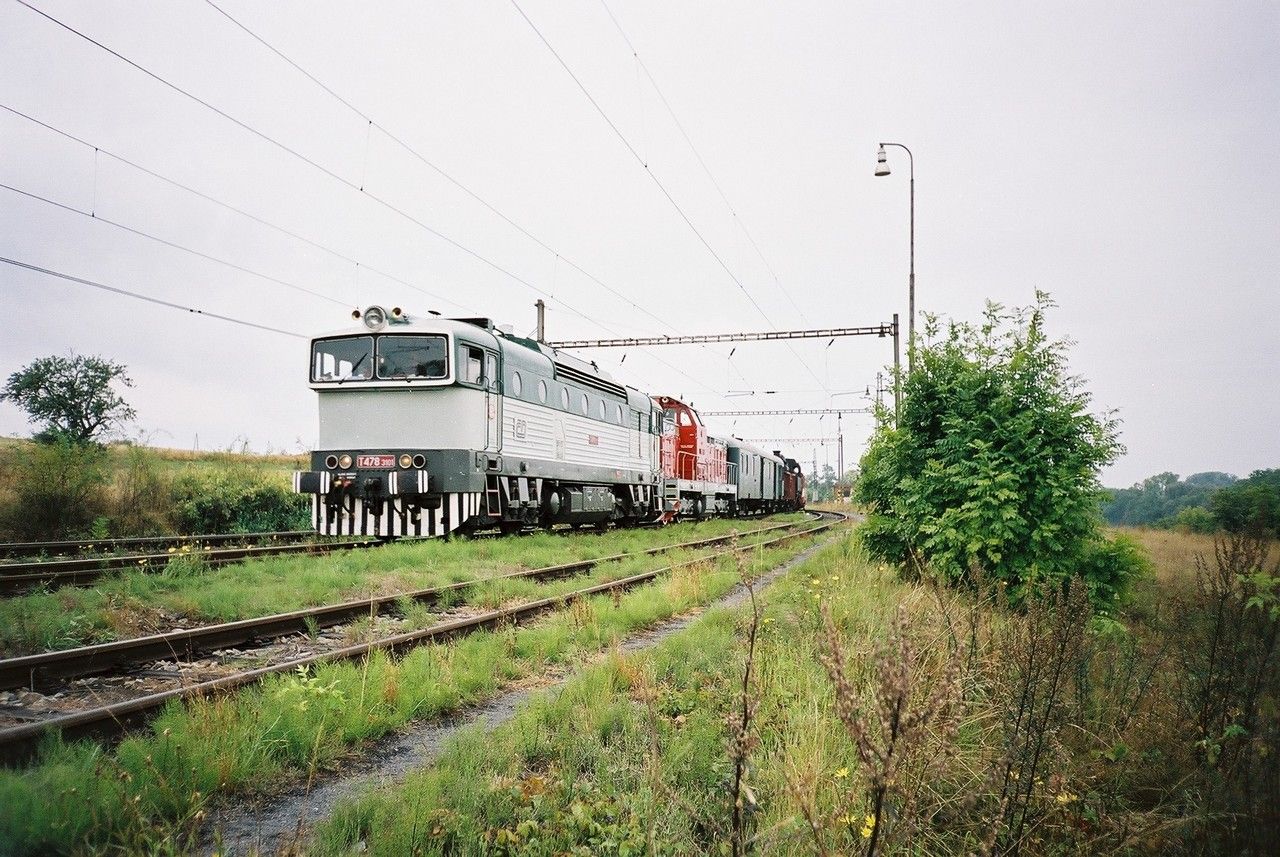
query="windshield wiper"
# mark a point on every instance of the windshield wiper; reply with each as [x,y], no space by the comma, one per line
[354,367]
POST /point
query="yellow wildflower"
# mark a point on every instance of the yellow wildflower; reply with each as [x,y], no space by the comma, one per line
[868,826]
[1066,798]
[842,773]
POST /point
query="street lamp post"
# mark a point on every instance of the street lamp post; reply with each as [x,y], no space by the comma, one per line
[882,169]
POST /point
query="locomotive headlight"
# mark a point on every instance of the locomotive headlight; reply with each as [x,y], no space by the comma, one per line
[344,461]
[375,318]
[405,461]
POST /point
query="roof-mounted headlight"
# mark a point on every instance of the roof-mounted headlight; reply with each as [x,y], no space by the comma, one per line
[375,318]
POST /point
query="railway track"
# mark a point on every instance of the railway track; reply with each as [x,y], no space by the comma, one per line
[19,742]
[110,546]
[19,577]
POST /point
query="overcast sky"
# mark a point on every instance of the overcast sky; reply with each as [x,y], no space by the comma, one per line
[1121,156]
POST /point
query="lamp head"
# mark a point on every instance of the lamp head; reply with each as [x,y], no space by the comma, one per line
[882,163]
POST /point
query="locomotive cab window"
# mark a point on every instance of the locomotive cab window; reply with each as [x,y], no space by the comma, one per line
[349,359]
[472,364]
[405,357]
[491,377]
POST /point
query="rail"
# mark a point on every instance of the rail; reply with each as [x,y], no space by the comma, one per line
[16,578]
[106,546]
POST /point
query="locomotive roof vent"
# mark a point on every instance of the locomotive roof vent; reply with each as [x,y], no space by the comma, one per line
[484,323]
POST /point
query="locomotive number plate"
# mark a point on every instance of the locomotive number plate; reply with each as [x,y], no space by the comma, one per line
[384,462]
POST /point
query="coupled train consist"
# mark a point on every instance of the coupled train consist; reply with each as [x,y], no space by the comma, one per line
[433,425]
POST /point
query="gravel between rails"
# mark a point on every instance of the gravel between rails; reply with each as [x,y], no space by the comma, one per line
[282,822]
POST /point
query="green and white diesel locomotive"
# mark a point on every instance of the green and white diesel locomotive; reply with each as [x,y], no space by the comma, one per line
[431,425]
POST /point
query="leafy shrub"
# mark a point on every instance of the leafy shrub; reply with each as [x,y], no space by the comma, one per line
[1196,520]
[57,490]
[141,494]
[235,500]
[991,469]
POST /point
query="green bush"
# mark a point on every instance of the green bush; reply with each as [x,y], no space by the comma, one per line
[991,469]
[58,491]
[235,501]
[1195,519]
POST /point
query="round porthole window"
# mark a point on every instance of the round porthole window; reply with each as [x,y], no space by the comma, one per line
[542,391]
[564,398]
[516,384]
[586,406]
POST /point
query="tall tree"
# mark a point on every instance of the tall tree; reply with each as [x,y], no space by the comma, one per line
[72,397]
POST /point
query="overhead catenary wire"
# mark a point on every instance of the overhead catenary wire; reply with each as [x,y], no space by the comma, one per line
[654,178]
[100,219]
[436,168]
[333,175]
[229,207]
[372,123]
[296,154]
[18,263]
[640,63]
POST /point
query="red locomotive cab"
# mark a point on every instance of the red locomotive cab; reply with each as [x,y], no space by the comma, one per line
[687,451]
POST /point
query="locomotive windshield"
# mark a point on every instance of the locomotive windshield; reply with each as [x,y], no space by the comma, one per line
[342,359]
[401,357]
[396,358]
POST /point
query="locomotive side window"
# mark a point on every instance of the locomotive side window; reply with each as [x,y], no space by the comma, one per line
[401,357]
[516,384]
[474,365]
[617,414]
[491,370]
[340,360]
[542,390]
[564,398]
[586,405]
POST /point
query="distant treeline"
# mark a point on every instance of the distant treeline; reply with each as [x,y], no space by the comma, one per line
[1203,502]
